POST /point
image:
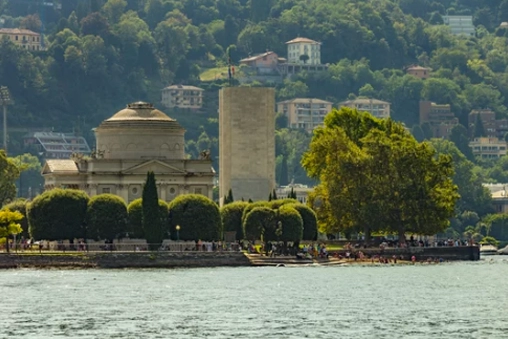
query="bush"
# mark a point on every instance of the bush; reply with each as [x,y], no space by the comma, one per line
[276,204]
[106,217]
[135,218]
[58,214]
[197,216]
[309,221]
[21,206]
[291,224]
[259,223]
[231,215]
[251,206]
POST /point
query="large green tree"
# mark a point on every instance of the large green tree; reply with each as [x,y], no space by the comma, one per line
[197,216]
[106,217]
[375,176]
[58,214]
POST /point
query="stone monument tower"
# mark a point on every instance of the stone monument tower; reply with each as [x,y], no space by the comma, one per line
[247,142]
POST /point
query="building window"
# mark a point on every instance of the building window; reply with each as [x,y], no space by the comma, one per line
[134,190]
[172,191]
[198,191]
[106,190]
[16,38]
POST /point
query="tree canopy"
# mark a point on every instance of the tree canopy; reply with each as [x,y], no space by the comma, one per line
[106,217]
[374,176]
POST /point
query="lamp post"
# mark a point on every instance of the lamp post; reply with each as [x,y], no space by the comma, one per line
[5,99]
[177,232]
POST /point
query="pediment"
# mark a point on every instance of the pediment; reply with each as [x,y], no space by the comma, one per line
[156,166]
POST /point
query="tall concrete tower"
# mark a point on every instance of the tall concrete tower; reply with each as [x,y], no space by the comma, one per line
[247,142]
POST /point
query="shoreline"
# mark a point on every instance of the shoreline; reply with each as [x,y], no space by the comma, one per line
[120,260]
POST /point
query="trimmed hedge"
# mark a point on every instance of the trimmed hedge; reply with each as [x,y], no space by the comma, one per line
[106,217]
[309,221]
[58,214]
[291,224]
[231,215]
[259,223]
[197,216]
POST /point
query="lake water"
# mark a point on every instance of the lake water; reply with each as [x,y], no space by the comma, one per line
[450,300]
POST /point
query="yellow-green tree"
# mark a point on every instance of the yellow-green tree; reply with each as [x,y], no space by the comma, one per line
[9,225]
[374,176]
[9,173]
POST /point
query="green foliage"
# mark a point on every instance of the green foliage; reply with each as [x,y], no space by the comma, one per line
[197,216]
[497,226]
[153,228]
[489,241]
[251,206]
[106,217]
[21,206]
[8,175]
[58,214]
[260,223]
[135,217]
[276,204]
[9,223]
[291,224]
[309,219]
[376,177]
[473,196]
[231,216]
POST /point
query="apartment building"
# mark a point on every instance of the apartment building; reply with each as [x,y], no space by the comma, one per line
[488,148]
[304,113]
[22,37]
[181,96]
[440,118]
[378,108]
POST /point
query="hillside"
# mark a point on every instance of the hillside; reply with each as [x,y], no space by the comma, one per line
[103,54]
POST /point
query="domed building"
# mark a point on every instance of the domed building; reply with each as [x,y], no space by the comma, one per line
[134,141]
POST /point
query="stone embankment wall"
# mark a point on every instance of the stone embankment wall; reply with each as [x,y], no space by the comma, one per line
[462,253]
[124,260]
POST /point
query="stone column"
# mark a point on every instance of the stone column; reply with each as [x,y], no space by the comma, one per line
[93,189]
[163,191]
[123,192]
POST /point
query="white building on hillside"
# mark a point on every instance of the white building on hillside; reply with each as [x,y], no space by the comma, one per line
[304,51]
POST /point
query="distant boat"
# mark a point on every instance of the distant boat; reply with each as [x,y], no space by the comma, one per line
[488,250]
[503,250]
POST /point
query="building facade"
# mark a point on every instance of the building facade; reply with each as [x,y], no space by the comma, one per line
[304,51]
[488,148]
[263,63]
[460,24]
[247,142]
[488,121]
[132,142]
[180,96]
[22,37]
[419,71]
[378,108]
[53,145]
[440,118]
[304,113]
